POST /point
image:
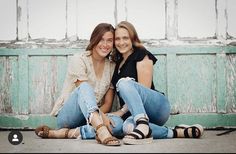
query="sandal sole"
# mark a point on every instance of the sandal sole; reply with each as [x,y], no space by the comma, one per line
[132,141]
[108,144]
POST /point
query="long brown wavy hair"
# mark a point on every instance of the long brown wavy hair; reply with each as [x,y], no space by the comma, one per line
[97,34]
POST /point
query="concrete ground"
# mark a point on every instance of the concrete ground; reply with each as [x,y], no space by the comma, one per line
[208,143]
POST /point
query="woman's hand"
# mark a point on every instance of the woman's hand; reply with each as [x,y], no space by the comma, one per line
[107,122]
[118,113]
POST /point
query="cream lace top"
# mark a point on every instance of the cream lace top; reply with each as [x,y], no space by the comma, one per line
[80,67]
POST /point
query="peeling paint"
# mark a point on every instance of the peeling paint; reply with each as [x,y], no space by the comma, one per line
[22,117]
[231,83]
[5,82]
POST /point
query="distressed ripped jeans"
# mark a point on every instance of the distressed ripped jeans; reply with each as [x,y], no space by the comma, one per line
[145,102]
[77,108]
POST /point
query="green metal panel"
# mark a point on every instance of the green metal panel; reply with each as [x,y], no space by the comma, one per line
[199,81]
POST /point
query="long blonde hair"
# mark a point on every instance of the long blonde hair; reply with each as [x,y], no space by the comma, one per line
[136,42]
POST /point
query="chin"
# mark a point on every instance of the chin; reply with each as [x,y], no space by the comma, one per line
[104,54]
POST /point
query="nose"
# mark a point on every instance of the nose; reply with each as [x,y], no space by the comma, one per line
[105,42]
[120,42]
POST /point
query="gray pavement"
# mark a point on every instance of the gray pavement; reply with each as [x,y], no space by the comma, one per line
[208,143]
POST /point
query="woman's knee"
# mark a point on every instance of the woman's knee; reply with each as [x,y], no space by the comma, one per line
[123,83]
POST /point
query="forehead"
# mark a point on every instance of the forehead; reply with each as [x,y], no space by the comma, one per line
[121,32]
[108,35]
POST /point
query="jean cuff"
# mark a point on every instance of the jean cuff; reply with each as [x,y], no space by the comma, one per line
[87,132]
[141,115]
[170,133]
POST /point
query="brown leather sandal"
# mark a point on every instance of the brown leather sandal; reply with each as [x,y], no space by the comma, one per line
[109,141]
[45,129]
[66,133]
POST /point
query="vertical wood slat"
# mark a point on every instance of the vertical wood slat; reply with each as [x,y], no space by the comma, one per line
[22,20]
[221,82]
[171,80]
[221,19]
[171,19]
[14,78]
[23,84]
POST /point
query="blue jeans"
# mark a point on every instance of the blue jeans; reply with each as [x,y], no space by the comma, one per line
[145,102]
[77,109]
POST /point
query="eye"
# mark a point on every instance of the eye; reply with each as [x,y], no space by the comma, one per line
[117,39]
[126,38]
[110,41]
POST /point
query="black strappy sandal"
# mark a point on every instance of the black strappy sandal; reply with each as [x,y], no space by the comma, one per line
[186,131]
[140,138]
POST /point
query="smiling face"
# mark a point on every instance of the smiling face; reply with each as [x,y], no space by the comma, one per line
[105,45]
[122,41]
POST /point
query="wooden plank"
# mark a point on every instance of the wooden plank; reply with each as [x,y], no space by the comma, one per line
[38,52]
[192,77]
[160,73]
[27,121]
[23,84]
[221,82]
[230,84]
[191,49]
[171,81]
[45,82]
[9,84]
[171,30]
[207,120]
[14,83]
[195,82]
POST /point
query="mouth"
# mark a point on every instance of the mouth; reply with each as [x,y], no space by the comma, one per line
[105,51]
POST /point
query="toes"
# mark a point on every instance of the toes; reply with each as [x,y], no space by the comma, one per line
[40,133]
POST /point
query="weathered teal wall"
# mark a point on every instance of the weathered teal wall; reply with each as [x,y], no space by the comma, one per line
[200,82]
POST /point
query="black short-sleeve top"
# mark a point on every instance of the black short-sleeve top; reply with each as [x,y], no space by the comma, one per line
[129,69]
